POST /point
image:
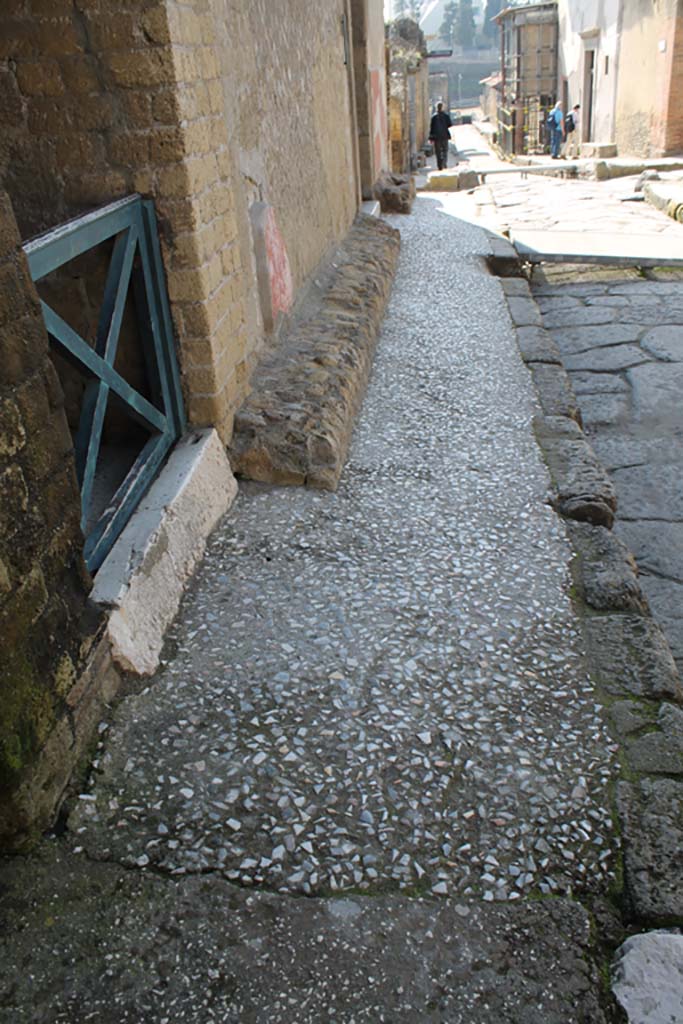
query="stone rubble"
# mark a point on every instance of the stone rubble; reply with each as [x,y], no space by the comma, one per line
[296,425]
[648,978]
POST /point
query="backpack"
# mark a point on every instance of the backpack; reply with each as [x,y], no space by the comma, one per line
[551,120]
[569,125]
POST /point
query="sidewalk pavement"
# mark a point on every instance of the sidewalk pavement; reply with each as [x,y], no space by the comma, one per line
[371,781]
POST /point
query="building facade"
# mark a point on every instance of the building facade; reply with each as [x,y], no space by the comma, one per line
[622,60]
[528,75]
[589,34]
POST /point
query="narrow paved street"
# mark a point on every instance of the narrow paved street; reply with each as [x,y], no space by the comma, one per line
[622,344]
[619,331]
[382,686]
[376,693]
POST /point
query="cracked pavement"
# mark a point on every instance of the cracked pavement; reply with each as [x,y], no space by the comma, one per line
[371,777]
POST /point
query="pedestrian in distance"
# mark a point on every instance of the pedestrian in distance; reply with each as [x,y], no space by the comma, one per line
[440,135]
[571,133]
[556,127]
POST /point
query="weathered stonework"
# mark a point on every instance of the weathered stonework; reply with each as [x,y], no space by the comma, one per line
[47,627]
[142,580]
[187,105]
[395,192]
[582,487]
[296,425]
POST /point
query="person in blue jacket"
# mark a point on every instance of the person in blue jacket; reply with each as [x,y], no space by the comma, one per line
[556,126]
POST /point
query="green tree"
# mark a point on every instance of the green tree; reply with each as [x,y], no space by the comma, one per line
[493,7]
[450,13]
[400,8]
[415,7]
[463,30]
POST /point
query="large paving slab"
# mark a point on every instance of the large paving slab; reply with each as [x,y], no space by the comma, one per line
[120,947]
[614,249]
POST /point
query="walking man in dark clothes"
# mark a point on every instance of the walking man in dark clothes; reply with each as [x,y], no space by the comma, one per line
[440,136]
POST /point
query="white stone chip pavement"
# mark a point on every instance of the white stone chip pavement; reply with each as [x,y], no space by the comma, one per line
[383,687]
[647,978]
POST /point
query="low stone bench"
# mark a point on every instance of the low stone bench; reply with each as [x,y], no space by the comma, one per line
[296,425]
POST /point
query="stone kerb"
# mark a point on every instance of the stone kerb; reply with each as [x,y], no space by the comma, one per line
[296,425]
[628,656]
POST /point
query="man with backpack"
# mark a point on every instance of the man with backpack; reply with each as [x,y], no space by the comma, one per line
[556,128]
[572,135]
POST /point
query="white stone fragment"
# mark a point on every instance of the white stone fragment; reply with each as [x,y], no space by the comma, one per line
[647,978]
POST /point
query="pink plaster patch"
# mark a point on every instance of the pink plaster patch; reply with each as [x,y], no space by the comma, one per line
[281,288]
[379,120]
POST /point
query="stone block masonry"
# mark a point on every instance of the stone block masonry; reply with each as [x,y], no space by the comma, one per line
[48,630]
[627,654]
[109,98]
[296,425]
[191,105]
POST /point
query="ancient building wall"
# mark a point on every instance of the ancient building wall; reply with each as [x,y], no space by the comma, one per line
[673,138]
[590,27]
[45,626]
[422,111]
[107,97]
[206,107]
[287,94]
[377,61]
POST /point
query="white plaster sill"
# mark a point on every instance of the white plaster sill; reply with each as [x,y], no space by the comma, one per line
[143,578]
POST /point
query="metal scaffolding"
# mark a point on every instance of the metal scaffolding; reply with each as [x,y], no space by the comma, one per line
[529,68]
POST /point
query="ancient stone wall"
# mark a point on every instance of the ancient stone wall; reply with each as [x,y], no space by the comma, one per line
[206,107]
[288,105]
[45,625]
[370,91]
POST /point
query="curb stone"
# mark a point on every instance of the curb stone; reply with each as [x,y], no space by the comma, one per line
[555,391]
[583,489]
[296,425]
[626,651]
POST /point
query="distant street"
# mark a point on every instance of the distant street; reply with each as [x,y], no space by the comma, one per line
[620,332]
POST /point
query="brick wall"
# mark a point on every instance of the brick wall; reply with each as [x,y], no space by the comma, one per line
[673,141]
[44,619]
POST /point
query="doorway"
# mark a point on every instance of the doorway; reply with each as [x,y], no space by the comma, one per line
[588,96]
